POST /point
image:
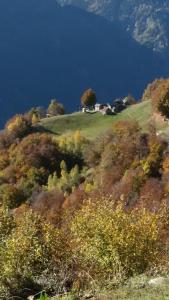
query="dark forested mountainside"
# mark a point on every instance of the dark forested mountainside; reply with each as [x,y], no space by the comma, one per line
[47,51]
[146,20]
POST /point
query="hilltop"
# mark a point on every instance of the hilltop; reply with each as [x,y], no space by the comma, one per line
[94,124]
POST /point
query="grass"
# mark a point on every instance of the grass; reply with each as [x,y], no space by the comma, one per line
[135,289]
[93,124]
[148,293]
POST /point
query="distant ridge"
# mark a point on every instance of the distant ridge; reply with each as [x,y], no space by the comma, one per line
[147,21]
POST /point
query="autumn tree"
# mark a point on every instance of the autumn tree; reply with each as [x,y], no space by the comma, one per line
[152,163]
[37,150]
[39,111]
[116,148]
[150,89]
[18,126]
[56,108]
[31,180]
[67,180]
[158,93]
[72,145]
[35,119]
[49,205]
[88,98]
[163,102]
[10,196]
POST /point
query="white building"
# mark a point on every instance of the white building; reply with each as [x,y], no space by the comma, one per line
[97,107]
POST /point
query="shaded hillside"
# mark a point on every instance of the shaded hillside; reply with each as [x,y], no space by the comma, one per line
[47,51]
[146,20]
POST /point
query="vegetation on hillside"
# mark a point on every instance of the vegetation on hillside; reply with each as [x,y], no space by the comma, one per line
[158,92]
[79,213]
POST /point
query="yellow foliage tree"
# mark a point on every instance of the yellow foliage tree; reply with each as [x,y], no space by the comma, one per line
[35,119]
[67,180]
[18,126]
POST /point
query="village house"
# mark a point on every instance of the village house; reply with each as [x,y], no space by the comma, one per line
[111,109]
[106,111]
[97,107]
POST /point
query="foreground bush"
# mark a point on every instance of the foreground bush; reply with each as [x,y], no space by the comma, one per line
[111,244]
[33,248]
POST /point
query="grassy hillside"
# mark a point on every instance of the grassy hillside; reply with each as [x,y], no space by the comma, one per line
[94,124]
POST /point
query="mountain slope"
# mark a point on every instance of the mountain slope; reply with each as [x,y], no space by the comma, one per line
[146,20]
[47,51]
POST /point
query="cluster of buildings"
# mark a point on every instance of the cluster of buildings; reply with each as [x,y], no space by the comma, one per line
[111,109]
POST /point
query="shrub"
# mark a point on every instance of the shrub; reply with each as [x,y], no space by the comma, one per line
[34,247]
[111,243]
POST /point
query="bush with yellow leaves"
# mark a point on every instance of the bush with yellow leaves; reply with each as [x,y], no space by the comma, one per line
[33,248]
[111,244]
